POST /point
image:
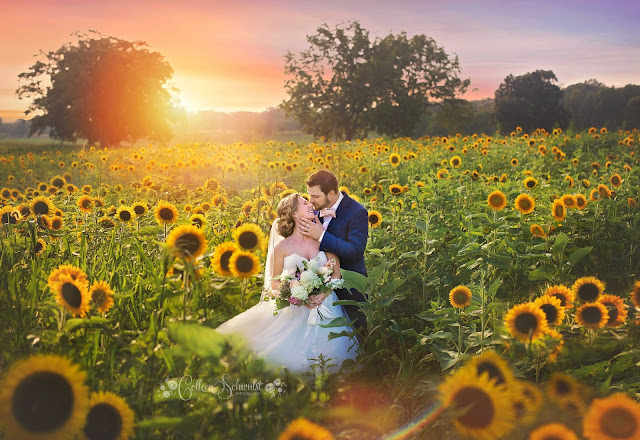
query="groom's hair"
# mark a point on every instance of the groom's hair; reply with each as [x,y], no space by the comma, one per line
[325,179]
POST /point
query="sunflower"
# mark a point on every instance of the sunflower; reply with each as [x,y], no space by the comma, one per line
[616,180]
[41,206]
[635,294]
[85,203]
[537,231]
[442,174]
[125,214]
[166,213]
[612,418]
[496,367]
[497,200]
[617,309]
[514,161]
[604,191]
[65,269]
[247,208]
[569,201]
[569,179]
[249,237]
[581,201]
[56,223]
[455,161]
[558,210]
[109,417]
[303,429]
[197,220]
[139,208]
[486,411]
[588,289]
[43,396]
[221,256]
[9,215]
[530,182]
[552,431]
[106,222]
[244,264]
[187,242]
[41,245]
[375,219]
[562,386]
[594,195]
[525,204]
[551,306]
[72,294]
[592,315]
[632,202]
[395,189]
[394,159]
[101,296]
[526,322]
[460,297]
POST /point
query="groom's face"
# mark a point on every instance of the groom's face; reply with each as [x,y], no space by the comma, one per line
[317,198]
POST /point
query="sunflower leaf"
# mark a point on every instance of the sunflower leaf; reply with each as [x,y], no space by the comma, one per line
[200,340]
[541,273]
[579,254]
[561,242]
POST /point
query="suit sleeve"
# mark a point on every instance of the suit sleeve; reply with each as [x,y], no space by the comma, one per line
[352,248]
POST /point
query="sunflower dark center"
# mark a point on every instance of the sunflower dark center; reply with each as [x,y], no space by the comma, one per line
[166,214]
[562,298]
[460,297]
[559,211]
[86,203]
[525,204]
[125,215]
[39,247]
[373,219]
[588,292]
[592,315]
[42,402]
[520,408]
[56,224]
[98,297]
[494,372]
[103,422]
[244,264]
[188,243]
[224,260]
[568,201]
[138,209]
[613,312]
[480,412]
[198,222]
[71,294]
[550,311]
[8,217]
[394,159]
[41,208]
[531,184]
[526,322]
[562,387]
[395,190]
[618,423]
[496,200]
[248,240]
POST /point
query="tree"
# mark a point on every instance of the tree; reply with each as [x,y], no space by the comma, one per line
[530,101]
[100,88]
[344,84]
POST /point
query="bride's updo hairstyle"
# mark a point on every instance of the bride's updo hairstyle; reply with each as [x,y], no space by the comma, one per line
[286,208]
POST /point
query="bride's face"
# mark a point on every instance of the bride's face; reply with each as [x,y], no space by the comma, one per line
[305,209]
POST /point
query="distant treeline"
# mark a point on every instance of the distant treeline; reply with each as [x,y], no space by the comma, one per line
[588,104]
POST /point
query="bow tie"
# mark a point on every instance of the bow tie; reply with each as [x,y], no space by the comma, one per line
[328,212]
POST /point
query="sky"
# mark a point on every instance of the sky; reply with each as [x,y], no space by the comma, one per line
[229,55]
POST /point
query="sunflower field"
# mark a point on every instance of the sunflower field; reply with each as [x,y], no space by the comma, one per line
[503,289]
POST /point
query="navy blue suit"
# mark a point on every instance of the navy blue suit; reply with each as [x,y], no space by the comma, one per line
[346,236]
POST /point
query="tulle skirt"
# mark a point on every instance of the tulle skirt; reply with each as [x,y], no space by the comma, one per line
[292,337]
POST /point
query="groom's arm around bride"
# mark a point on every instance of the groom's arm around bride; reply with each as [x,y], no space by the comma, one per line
[345,234]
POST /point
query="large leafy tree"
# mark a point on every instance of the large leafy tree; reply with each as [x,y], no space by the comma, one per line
[99,88]
[530,101]
[344,84]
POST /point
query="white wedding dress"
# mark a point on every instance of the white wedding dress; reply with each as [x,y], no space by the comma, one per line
[293,337]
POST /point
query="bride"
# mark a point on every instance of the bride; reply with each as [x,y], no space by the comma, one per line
[293,336]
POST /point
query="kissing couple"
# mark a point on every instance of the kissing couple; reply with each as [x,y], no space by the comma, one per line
[299,237]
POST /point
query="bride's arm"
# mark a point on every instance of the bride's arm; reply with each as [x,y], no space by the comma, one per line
[336,267]
[278,262]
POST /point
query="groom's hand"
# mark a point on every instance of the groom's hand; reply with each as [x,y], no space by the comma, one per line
[311,229]
[316,300]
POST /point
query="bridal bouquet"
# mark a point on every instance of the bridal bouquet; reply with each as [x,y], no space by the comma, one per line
[310,279]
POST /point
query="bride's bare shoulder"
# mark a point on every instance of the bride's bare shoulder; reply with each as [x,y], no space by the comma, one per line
[284,247]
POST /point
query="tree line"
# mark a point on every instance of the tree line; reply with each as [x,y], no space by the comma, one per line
[345,85]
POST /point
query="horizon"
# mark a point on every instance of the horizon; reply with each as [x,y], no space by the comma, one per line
[228,58]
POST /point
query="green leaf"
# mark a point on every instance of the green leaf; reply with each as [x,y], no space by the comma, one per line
[75,323]
[333,335]
[391,287]
[200,340]
[493,288]
[541,273]
[439,335]
[376,274]
[354,279]
[579,254]
[340,321]
[447,358]
[561,242]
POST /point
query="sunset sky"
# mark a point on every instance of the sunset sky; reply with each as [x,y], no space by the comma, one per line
[229,56]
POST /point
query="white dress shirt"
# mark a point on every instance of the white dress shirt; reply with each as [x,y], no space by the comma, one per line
[325,223]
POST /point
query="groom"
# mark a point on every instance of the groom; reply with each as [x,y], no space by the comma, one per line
[344,232]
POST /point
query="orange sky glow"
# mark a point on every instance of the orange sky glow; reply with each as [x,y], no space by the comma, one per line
[229,56]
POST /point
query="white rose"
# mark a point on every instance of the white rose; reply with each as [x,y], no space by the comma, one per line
[300,293]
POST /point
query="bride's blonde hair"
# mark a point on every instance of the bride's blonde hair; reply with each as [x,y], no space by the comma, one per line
[286,208]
